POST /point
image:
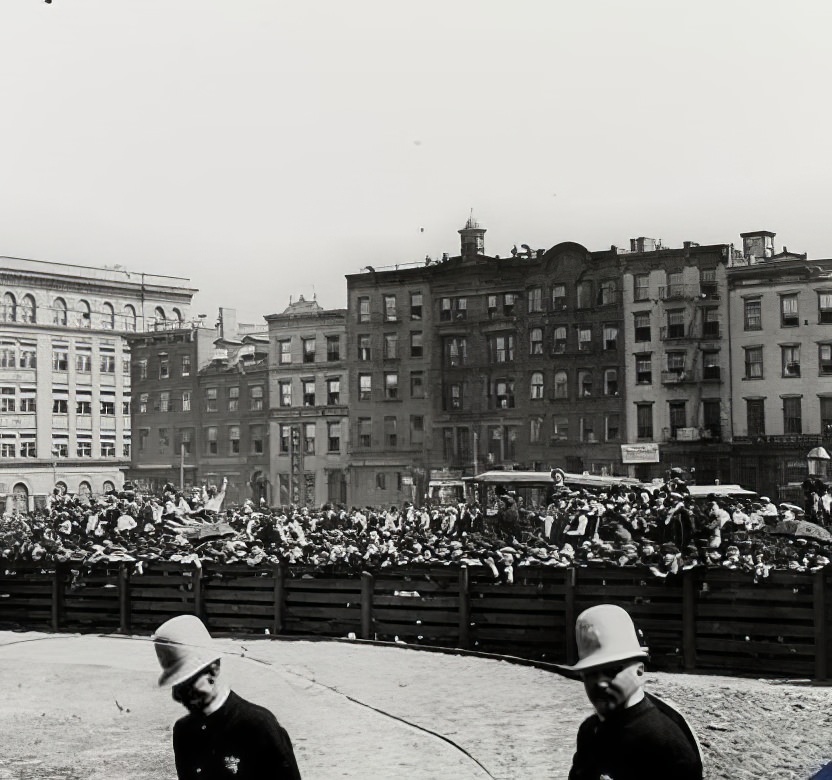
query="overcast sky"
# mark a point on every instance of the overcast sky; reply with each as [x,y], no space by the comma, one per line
[264,149]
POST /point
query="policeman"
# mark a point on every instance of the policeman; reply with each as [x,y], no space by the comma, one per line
[223,735]
[632,735]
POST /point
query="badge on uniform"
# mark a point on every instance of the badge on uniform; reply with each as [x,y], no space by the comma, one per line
[232,764]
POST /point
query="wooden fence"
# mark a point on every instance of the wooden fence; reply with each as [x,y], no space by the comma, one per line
[705,620]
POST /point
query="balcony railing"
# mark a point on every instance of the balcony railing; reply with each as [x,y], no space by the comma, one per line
[677,377]
[674,292]
[667,332]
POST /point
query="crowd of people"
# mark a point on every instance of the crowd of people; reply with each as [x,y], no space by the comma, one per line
[664,531]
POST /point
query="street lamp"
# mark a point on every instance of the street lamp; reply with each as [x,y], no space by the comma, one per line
[818,460]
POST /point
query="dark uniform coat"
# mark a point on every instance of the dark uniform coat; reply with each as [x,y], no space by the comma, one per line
[638,743]
[240,740]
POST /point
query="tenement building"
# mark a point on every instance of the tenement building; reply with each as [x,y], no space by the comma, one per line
[309,402]
[65,383]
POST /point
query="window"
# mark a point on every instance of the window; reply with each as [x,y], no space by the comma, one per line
[364,348]
[501,348]
[285,438]
[641,287]
[28,310]
[234,399]
[129,318]
[753,314]
[8,354]
[83,402]
[611,381]
[365,430]
[164,439]
[711,421]
[59,312]
[143,399]
[584,338]
[825,307]
[825,359]
[159,316]
[365,387]
[561,384]
[504,393]
[455,349]
[826,416]
[308,387]
[416,345]
[309,438]
[333,392]
[390,432]
[143,435]
[675,285]
[612,425]
[164,401]
[126,446]
[28,356]
[391,386]
[60,358]
[60,405]
[710,323]
[107,361]
[453,396]
[536,386]
[28,399]
[417,429]
[7,399]
[363,309]
[710,365]
[84,315]
[607,292]
[333,436]
[9,313]
[676,324]
[587,430]
[83,361]
[559,339]
[308,350]
[333,348]
[125,366]
[707,283]
[125,406]
[284,352]
[792,419]
[8,445]
[641,321]
[536,341]
[610,336]
[255,398]
[210,399]
[417,384]
[753,362]
[390,308]
[108,448]
[211,441]
[535,296]
[790,360]
[185,436]
[107,404]
[186,400]
[678,416]
[416,306]
[27,446]
[644,370]
[584,384]
[60,446]
[381,480]
[789,317]
[108,317]
[509,302]
[391,346]
[142,364]
[535,430]
[560,428]
[83,446]
[675,362]
[584,293]
[644,421]
[453,309]
[558,297]
[285,392]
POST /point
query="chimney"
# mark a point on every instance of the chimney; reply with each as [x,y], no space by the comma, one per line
[642,244]
[227,324]
[473,239]
[689,244]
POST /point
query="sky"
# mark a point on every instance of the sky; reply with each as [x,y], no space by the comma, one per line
[265,149]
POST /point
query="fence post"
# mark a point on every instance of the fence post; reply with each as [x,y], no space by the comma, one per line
[57,597]
[123,599]
[279,574]
[464,609]
[569,615]
[819,604]
[689,620]
[367,582]
[198,595]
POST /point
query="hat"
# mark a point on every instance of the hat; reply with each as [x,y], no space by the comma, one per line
[605,635]
[183,647]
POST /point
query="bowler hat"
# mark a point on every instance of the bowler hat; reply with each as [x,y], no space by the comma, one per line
[605,635]
[183,647]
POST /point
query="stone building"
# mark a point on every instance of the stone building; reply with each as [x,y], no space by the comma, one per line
[310,399]
[65,385]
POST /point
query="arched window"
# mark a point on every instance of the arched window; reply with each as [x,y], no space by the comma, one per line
[561,384]
[84,315]
[159,314]
[20,498]
[62,488]
[85,489]
[129,318]
[584,384]
[108,317]
[9,308]
[108,487]
[59,312]
[537,385]
[177,315]
[28,311]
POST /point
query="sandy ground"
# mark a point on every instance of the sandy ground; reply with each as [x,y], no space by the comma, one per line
[86,707]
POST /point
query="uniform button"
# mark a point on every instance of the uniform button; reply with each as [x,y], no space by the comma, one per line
[204,727]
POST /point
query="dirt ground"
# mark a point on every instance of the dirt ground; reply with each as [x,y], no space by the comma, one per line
[87,707]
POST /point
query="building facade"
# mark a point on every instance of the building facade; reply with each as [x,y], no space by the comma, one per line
[65,382]
[310,398]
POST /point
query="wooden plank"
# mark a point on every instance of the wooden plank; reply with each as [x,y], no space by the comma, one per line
[249,596]
[570,648]
[307,597]
[427,617]
[727,646]
[367,604]
[326,613]
[279,596]
[405,602]
[515,620]
[753,613]
[265,610]
[464,609]
[721,628]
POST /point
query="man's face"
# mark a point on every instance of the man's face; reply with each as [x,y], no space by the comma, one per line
[197,693]
[609,688]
